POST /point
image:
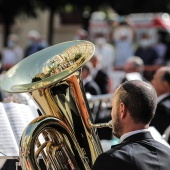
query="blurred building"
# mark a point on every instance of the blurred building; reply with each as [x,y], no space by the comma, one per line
[22,25]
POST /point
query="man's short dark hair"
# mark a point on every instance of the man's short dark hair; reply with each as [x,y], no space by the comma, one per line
[140,99]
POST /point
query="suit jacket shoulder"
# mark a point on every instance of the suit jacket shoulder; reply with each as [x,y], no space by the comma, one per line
[138,152]
[161,119]
[102,80]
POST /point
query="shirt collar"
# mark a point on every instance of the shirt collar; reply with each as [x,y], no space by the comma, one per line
[161,97]
[123,137]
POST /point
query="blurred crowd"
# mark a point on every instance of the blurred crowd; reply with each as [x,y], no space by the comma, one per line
[13,53]
[126,57]
[120,58]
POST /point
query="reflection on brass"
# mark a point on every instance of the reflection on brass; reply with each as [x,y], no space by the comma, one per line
[64,136]
[56,65]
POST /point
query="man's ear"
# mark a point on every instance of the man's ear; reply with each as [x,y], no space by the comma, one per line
[123,110]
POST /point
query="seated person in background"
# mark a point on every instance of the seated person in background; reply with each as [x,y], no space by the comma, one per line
[134,68]
[12,54]
[34,43]
[102,79]
[81,34]
[106,52]
[90,85]
[146,50]
[161,82]
[99,75]
[131,116]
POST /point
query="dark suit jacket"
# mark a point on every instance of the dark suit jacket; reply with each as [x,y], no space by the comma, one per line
[161,119]
[148,55]
[102,80]
[137,152]
[92,88]
[31,50]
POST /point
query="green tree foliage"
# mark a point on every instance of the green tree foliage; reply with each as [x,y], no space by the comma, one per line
[124,7]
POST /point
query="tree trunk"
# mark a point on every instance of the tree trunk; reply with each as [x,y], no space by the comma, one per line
[51,25]
[7,25]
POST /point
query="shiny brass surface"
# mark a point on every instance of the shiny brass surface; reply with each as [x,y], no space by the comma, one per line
[64,136]
[51,65]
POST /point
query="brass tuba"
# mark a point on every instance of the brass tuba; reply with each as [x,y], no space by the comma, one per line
[64,135]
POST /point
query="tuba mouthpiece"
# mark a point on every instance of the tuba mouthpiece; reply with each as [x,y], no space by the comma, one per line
[101,125]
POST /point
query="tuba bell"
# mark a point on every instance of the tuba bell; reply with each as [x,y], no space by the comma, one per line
[63,136]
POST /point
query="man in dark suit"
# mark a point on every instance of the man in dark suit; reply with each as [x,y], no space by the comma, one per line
[161,82]
[102,79]
[90,85]
[146,51]
[99,75]
[134,68]
[133,107]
